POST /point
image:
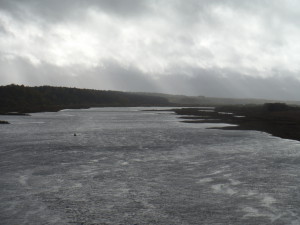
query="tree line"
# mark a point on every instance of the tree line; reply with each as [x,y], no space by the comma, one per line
[24,99]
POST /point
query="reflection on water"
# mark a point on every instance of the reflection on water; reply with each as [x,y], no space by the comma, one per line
[127,166]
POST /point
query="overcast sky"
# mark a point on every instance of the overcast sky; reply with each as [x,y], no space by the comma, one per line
[221,48]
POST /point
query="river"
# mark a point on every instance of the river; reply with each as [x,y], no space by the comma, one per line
[127,166]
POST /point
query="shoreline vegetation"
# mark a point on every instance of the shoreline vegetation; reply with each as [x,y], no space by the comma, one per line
[277,119]
[21,100]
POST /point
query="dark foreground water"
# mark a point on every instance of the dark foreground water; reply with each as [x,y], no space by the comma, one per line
[126,166]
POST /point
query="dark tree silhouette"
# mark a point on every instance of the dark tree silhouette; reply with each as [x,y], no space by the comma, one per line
[22,99]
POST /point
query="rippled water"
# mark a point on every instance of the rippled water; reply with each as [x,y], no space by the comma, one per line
[128,166]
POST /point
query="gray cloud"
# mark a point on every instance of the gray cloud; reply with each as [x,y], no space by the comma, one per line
[57,10]
[226,48]
[112,76]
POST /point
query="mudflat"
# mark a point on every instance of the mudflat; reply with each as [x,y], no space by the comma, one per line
[278,119]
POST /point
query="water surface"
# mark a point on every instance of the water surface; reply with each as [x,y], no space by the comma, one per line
[127,166]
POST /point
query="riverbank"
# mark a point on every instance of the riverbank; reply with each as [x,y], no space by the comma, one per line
[277,119]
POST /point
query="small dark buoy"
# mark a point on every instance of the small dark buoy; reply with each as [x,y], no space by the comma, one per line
[75,134]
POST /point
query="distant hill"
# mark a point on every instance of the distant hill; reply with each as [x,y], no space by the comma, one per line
[212,101]
[22,99]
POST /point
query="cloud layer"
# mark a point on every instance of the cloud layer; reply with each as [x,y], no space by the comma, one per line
[217,48]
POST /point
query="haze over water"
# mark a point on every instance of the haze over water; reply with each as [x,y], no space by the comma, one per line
[127,166]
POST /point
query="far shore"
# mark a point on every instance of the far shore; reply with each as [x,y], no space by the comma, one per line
[277,119]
